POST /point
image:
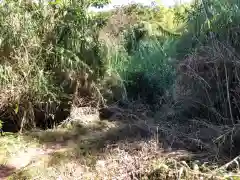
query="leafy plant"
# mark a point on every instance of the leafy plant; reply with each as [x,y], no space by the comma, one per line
[1,124]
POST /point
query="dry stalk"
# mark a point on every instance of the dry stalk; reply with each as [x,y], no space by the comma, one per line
[228,96]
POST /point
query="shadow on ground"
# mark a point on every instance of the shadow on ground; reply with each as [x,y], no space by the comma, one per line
[6,171]
[10,173]
[20,175]
[87,143]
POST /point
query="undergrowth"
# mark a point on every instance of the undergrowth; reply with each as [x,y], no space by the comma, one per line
[180,62]
[52,55]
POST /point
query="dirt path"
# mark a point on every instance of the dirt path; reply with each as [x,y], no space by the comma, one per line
[95,149]
[23,155]
[25,158]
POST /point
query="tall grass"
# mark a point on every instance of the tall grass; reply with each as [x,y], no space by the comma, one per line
[153,60]
[53,54]
[146,73]
[213,33]
[49,53]
[40,47]
[208,69]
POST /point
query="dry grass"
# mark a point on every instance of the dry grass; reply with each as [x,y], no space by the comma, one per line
[208,92]
[211,77]
[126,160]
[97,149]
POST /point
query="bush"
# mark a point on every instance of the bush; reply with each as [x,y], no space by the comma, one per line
[41,47]
[148,73]
[51,54]
[208,76]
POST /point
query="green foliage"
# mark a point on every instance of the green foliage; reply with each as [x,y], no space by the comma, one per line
[1,124]
[44,45]
[208,19]
[152,60]
[99,3]
[85,3]
[38,44]
[146,67]
[48,49]
[208,53]
[148,72]
[133,36]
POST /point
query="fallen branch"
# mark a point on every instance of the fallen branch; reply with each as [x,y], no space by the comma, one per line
[225,166]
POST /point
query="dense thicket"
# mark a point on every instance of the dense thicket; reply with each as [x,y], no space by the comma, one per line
[59,54]
[48,53]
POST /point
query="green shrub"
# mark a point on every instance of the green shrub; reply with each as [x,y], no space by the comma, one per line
[148,73]
[152,62]
[38,44]
[48,53]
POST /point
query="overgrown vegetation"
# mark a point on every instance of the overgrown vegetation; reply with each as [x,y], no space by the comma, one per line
[171,73]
